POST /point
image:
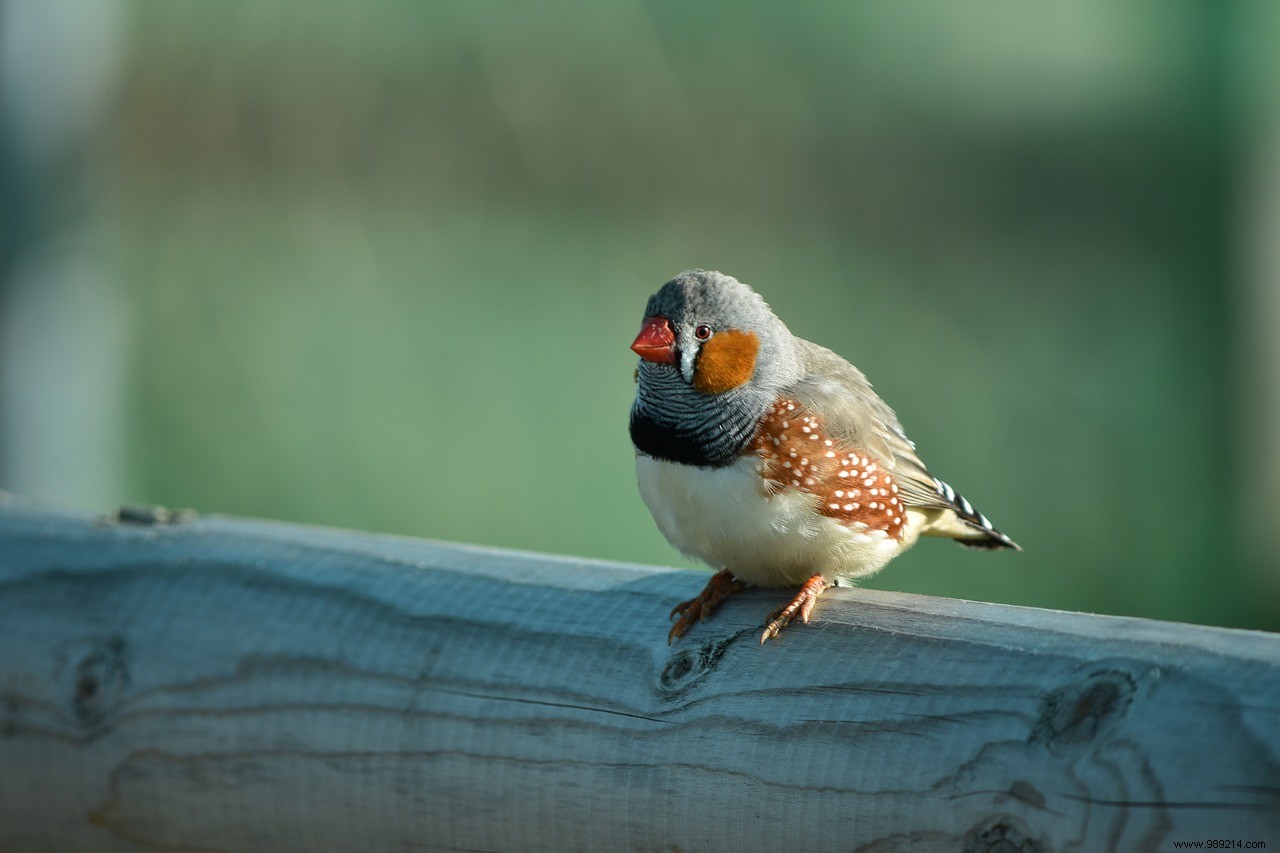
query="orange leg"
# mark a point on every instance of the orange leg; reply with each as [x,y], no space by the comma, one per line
[801,605]
[722,585]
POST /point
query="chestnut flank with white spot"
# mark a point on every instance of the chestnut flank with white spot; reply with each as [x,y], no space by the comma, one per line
[778,442]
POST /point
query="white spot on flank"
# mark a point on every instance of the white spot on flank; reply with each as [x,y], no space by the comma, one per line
[827,442]
[830,453]
[849,507]
[844,473]
[786,424]
[839,493]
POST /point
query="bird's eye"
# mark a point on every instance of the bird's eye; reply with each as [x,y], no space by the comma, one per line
[702,332]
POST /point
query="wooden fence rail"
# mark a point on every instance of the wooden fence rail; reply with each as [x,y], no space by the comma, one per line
[219,684]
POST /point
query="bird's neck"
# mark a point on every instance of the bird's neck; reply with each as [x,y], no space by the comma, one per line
[673,421]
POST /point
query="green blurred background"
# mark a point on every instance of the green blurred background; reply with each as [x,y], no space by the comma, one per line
[377,265]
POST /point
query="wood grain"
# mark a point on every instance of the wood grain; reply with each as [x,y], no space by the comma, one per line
[219,684]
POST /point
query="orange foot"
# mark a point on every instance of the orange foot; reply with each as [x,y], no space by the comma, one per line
[722,585]
[802,605]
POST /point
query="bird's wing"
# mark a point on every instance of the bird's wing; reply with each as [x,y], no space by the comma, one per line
[854,414]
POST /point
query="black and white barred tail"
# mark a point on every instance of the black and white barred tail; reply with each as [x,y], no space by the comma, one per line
[979,532]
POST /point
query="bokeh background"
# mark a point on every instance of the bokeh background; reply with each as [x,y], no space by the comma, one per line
[377,264]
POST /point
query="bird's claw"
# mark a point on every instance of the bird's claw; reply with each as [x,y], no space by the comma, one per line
[801,605]
[722,585]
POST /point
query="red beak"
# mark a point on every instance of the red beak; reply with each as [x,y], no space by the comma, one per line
[656,341]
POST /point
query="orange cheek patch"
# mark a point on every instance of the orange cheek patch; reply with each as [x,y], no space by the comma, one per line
[726,361]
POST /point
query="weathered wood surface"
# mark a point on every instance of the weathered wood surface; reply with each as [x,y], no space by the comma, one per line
[218,684]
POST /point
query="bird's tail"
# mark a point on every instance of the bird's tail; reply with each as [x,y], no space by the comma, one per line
[972,529]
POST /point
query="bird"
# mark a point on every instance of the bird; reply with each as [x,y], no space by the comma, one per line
[770,458]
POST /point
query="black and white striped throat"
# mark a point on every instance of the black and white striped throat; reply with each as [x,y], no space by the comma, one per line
[672,421]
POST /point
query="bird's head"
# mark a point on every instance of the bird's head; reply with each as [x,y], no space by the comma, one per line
[713,359]
[717,334]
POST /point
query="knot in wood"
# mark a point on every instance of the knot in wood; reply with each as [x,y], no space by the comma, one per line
[1002,835]
[688,667]
[1079,714]
[101,676]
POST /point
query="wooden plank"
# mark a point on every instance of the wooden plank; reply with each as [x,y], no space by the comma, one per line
[220,684]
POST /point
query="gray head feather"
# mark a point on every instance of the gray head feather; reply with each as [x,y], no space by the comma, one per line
[697,297]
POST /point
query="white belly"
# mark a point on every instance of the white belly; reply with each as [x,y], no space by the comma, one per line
[723,517]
